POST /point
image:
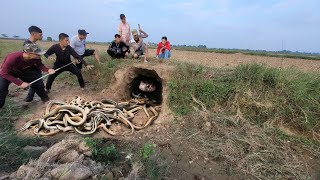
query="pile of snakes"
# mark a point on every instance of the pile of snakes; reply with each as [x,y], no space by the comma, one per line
[86,117]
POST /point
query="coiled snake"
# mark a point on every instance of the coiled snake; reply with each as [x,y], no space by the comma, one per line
[85,117]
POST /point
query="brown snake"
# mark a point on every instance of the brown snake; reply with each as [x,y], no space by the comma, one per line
[86,117]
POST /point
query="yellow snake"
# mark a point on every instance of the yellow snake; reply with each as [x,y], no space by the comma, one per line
[86,117]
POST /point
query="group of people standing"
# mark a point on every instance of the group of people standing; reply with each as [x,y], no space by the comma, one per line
[120,47]
[24,68]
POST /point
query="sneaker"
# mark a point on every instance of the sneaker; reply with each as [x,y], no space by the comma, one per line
[28,99]
[44,100]
[82,89]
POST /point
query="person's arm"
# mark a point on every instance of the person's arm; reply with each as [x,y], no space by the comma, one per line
[143,34]
[73,42]
[119,29]
[42,66]
[7,64]
[129,33]
[50,51]
[167,46]
[76,56]
[158,48]
[124,45]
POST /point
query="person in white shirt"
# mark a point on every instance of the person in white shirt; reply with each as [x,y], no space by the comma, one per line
[139,47]
[78,43]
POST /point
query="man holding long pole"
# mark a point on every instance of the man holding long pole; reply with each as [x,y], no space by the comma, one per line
[63,51]
[19,68]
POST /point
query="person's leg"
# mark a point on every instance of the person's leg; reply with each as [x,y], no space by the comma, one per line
[135,55]
[74,70]
[96,56]
[166,54]
[4,84]
[161,56]
[38,86]
[79,65]
[31,91]
[145,52]
[52,77]
[90,52]
[111,53]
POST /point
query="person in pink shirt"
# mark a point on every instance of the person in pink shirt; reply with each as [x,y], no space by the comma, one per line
[124,29]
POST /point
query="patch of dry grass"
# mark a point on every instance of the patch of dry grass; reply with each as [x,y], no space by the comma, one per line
[248,150]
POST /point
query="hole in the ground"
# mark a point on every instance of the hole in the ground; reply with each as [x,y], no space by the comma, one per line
[146,84]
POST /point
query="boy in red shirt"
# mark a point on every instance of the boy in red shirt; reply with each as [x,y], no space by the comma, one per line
[163,50]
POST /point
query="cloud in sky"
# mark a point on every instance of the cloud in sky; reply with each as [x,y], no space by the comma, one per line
[247,24]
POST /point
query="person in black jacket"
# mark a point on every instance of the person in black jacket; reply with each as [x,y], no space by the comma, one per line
[63,51]
[118,49]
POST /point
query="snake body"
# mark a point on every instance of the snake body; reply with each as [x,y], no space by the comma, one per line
[86,117]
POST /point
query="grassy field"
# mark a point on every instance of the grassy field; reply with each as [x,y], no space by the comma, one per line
[258,122]
[254,53]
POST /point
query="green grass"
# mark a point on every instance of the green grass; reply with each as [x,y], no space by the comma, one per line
[262,94]
[11,145]
[102,151]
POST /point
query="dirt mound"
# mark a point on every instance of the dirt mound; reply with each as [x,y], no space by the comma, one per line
[124,78]
[68,159]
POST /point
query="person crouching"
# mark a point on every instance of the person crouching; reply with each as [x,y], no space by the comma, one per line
[118,49]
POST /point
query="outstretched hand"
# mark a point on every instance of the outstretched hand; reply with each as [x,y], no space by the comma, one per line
[24,85]
[51,71]
[76,61]
[51,58]
[89,67]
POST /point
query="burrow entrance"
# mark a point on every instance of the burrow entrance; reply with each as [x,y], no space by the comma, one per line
[144,83]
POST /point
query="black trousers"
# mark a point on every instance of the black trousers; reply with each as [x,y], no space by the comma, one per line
[27,76]
[71,68]
[117,56]
[31,91]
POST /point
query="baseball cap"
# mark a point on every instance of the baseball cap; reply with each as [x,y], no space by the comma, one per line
[134,32]
[82,32]
[33,48]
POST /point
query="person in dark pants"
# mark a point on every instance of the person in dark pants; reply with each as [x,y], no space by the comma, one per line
[78,43]
[63,51]
[35,35]
[118,49]
[18,68]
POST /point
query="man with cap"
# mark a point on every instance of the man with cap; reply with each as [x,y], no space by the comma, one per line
[139,47]
[35,35]
[78,43]
[124,29]
[18,68]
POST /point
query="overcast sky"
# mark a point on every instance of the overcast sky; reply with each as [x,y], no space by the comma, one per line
[244,24]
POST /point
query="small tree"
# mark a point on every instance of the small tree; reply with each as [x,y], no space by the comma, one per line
[49,38]
[4,35]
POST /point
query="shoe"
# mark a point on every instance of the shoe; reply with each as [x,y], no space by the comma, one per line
[82,89]
[28,99]
[44,100]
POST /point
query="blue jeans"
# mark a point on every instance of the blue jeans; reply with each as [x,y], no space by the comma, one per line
[165,55]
